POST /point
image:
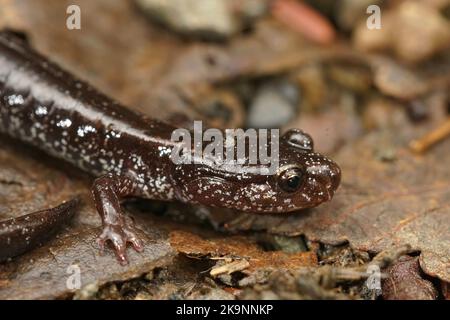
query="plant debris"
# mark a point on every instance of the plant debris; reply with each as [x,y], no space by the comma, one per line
[237,254]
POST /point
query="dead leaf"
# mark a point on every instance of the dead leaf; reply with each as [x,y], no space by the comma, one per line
[405,282]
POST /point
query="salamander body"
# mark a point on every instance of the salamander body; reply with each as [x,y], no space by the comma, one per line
[130,154]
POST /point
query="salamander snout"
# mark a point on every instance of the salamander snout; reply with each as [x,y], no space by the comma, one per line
[327,175]
[308,182]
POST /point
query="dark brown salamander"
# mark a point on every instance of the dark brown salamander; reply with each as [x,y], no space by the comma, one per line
[28,231]
[130,153]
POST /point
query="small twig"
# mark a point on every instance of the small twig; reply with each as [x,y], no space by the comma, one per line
[229,268]
[389,256]
[430,139]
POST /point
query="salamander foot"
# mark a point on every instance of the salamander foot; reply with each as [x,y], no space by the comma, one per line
[119,236]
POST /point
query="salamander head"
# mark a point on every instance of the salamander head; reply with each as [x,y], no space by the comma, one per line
[304,179]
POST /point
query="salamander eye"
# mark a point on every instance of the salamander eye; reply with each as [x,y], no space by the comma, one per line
[299,139]
[291,179]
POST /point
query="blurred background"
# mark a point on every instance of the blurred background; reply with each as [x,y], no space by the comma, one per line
[257,63]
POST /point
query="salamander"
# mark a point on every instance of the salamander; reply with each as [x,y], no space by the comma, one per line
[129,154]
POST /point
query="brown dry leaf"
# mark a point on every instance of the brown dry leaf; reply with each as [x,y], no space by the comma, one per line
[379,204]
[405,282]
[239,248]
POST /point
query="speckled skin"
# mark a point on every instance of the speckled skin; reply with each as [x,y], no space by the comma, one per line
[130,153]
[28,231]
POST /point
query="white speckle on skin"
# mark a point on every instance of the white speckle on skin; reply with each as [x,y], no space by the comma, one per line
[66,123]
[41,111]
[15,99]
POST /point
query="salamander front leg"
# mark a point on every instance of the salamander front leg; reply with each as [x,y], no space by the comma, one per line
[107,191]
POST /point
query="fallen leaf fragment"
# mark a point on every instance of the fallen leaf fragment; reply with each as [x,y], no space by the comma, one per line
[244,255]
[405,282]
